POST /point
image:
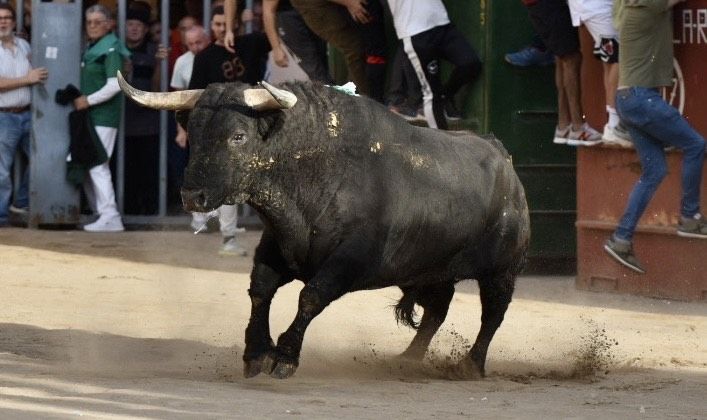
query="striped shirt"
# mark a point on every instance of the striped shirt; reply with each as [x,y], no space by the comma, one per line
[14,63]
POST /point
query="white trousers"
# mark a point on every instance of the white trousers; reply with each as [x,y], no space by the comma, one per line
[227,218]
[99,186]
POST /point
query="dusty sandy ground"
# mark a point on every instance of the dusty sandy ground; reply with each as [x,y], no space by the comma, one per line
[151,325]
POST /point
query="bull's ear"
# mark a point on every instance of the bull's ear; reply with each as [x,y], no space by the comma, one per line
[182,118]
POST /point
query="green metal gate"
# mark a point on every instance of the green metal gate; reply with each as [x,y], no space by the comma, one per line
[519,105]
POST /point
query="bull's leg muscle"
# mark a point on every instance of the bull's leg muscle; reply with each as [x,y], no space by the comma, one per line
[334,279]
[434,299]
[495,293]
[269,273]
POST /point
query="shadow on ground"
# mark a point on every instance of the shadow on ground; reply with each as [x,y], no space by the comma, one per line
[174,248]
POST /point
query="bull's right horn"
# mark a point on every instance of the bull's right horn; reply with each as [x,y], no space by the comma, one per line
[174,101]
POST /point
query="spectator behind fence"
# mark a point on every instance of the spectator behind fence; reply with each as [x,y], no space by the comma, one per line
[100,94]
[155,31]
[428,36]
[551,20]
[142,143]
[595,15]
[215,64]
[289,36]
[177,41]
[646,32]
[196,40]
[16,77]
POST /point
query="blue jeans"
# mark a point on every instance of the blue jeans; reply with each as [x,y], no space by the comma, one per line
[654,124]
[14,133]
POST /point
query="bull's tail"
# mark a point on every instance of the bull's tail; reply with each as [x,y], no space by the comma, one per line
[405,309]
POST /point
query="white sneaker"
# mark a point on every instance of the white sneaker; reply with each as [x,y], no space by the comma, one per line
[18,210]
[105,224]
[561,135]
[231,248]
[616,136]
[585,136]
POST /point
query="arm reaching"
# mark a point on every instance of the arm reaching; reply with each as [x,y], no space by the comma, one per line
[229,9]
[270,26]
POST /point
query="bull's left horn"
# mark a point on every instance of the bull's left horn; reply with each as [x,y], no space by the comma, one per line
[269,98]
[174,101]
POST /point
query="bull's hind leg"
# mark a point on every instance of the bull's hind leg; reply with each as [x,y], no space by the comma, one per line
[434,299]
[269,273]
[495,292]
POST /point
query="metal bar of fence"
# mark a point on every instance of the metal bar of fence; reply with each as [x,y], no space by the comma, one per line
[20,19]
[207,17]
[18,167]
[120,146]
[249,24]
[164,22]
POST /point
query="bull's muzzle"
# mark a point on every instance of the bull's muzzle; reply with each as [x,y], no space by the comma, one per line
[194,200]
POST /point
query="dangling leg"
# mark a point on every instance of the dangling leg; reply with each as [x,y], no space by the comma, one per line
[495,292]
[434,299]
[269,274]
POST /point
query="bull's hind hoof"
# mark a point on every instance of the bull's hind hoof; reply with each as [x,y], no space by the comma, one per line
[283,370]
[466,370]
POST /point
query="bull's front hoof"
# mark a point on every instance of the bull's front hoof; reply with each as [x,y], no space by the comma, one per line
[466,370]
[283,370]
[253,367]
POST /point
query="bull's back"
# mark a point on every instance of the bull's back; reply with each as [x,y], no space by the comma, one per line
[422,197]
[444,198]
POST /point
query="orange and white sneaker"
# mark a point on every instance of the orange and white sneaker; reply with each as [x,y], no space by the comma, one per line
[585,136]
[561,135]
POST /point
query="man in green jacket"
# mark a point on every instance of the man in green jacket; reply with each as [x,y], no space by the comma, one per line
[99,85]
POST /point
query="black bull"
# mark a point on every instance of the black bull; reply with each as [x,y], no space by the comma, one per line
[353,198]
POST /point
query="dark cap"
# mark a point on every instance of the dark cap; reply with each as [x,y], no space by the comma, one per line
[141,15]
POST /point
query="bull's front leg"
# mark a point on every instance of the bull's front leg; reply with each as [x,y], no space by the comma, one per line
[333,280]
[269,274]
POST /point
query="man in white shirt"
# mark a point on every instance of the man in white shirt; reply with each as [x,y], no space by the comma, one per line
[16,77]
[428,36]
[196,40]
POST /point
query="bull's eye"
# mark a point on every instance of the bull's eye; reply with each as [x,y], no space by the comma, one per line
[237,138]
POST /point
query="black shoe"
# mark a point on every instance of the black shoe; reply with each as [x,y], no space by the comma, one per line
[451,112]
[623,253]
[693,227]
